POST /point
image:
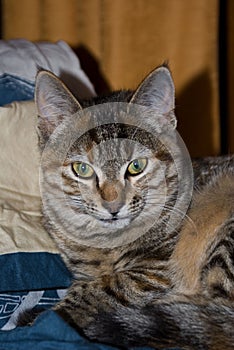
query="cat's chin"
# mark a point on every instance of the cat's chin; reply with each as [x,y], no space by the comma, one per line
[115,223]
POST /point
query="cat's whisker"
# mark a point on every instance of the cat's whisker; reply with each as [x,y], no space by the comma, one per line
[183,214]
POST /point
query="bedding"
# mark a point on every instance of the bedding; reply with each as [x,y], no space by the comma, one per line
[14,88]
[32,271]
[57,336]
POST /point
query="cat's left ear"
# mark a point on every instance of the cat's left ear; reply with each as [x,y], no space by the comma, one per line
[54,103]
[157,92]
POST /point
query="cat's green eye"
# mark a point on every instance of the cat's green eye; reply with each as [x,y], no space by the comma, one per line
[137,166]
[82,169]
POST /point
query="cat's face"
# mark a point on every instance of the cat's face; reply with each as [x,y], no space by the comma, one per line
[112,181]
[116,176]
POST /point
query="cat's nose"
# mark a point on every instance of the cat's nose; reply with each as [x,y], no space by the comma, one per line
[112,197]
[109,192]
[114,215]
[113,207]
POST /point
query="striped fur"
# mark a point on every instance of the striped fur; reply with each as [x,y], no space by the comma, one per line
[167,288]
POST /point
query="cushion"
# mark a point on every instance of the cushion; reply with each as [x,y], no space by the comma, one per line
[30,261]
[20,60]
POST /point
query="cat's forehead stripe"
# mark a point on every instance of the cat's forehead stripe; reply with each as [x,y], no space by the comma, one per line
[99,134]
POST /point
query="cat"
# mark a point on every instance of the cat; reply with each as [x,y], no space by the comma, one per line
[173,284]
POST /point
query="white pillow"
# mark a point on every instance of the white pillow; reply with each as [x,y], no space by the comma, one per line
[22,58]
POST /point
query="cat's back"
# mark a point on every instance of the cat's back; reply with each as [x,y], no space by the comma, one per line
[207,169]
[206,244]
[213,199]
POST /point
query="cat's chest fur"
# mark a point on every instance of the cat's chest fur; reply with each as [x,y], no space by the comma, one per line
[88,263]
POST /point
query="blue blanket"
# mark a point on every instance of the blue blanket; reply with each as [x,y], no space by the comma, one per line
[49,332]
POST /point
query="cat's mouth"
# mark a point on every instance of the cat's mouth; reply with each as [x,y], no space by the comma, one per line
[112,219]
[115,222]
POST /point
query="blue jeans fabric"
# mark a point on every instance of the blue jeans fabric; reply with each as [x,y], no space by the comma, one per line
[14,88]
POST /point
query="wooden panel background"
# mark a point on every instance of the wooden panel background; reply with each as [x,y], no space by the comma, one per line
[127,39]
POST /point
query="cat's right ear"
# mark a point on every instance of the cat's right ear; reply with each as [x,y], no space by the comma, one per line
[157,92]
[54,103]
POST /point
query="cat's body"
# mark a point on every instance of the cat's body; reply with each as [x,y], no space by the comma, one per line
[168,287]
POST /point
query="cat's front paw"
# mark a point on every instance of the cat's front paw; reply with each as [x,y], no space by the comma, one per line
[80,306]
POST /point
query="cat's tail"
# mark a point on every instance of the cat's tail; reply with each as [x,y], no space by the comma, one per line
[186,323]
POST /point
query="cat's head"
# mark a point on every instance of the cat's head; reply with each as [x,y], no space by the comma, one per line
[115,175]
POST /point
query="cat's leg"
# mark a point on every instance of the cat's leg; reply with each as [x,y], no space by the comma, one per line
[170,321]
[174,322]
[87,300]
[80,305]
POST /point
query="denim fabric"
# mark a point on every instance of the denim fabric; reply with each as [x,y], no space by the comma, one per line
[32,271]
[13,88]
[49,332]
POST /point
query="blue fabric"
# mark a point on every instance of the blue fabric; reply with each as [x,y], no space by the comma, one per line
[14,88]
[32,271]
[11,304]
[49,332]
[28,281]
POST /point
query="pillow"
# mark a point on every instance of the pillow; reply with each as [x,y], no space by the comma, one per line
[19,63]
[29,259]
[19,158]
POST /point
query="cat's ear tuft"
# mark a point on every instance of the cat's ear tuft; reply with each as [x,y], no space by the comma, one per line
[54,102]
[157,92]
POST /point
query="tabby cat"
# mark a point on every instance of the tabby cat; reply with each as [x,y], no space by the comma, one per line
[171,286]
